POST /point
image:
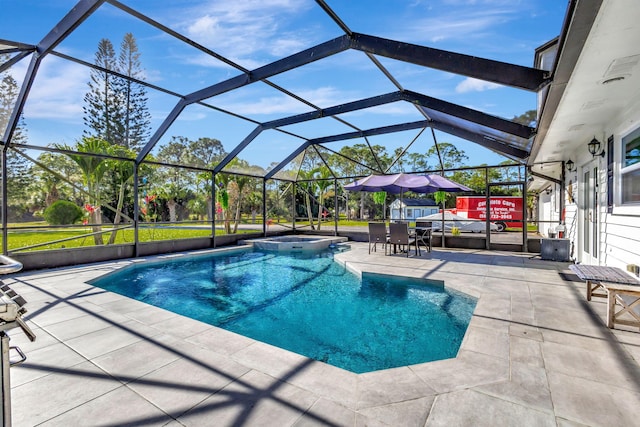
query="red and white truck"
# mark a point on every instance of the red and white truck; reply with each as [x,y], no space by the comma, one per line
[504,210]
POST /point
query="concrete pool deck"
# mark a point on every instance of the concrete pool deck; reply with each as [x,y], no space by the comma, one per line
[536,353]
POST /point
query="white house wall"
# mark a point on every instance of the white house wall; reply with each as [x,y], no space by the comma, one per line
[548,214]
[571,225]
[619,231]
[571,212]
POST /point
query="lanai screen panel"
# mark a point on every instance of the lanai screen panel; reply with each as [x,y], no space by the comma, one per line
[201,136]
[408,151]
[487,133]
[317,82]
[481,95]
[269,148]
[291,169]
[383,115]
[319,127]
[164,59]
[57,112]
[251,34]
[53,112]
[259,102]
[31,20]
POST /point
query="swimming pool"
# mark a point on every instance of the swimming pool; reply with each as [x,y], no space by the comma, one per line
[307,303]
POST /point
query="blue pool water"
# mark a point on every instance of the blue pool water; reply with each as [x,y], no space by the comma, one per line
[307,303]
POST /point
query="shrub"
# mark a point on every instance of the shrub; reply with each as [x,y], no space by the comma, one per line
[63,212]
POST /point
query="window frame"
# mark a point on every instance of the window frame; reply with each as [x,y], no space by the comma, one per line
[620,138]
[626,138]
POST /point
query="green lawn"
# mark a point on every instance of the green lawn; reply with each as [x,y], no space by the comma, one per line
[78,237]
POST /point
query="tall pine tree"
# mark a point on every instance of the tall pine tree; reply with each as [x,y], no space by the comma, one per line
[101,104]
[133,111]
[8,97]
[18,168]
[115,107]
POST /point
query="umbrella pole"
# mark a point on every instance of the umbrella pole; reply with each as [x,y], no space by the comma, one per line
[443,245]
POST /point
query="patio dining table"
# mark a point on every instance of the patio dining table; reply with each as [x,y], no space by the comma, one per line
[423,234]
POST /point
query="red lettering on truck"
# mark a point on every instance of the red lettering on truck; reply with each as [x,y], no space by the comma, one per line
[504,209]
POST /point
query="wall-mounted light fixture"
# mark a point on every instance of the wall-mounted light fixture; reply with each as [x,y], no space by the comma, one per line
[594,148]
[570,165]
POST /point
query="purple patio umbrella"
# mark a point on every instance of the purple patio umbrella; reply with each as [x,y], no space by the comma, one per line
[394,184]
[401,182]
[440,183]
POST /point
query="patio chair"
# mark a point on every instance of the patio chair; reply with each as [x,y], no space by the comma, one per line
[377,234]
[424,230]
[399,235]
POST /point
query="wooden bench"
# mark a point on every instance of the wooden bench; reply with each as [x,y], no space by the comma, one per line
[616,285]
[594,275]
[615,293]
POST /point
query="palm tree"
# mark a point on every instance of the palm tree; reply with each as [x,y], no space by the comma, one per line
[306,187]
[93,169]
[172,192]
[240,183]
[203,195]
[236,188]
[123,174]
[323,183]
[222,197]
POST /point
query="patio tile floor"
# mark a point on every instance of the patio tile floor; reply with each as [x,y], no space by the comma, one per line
[536,353]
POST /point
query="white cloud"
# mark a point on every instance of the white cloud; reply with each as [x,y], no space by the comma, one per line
[152,76]
[474,85]
[280,103]
[204,60]
[244,28]
[58,91]
[191,117]
[286,45]
[323,97]
[265,105]
[326,96]
[385,110]
[463,24]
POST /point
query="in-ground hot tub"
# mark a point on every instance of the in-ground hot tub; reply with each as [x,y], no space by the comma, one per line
[294,243]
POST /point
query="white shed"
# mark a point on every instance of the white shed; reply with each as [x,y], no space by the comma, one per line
[410,209]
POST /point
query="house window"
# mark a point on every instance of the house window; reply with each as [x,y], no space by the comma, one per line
[409,213]
[630,168]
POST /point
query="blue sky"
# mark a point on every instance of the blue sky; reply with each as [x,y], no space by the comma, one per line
[255,33]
